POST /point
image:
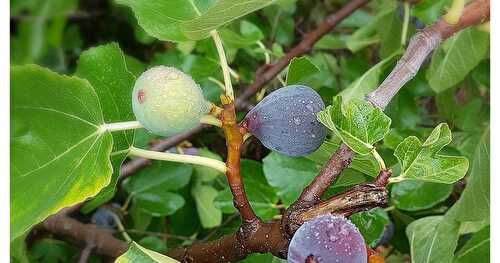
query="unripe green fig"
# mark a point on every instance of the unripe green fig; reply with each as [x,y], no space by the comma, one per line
[166,101]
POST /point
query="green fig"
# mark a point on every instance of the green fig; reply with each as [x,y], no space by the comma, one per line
[166,101]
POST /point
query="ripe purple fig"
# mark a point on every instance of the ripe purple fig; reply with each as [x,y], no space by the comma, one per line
[327,239]
[285,121]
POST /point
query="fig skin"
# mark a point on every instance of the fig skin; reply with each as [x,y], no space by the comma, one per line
[327,239]
[285,121]
[167,101]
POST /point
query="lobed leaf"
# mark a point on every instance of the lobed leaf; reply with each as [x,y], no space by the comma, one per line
[421,161]
[358,123]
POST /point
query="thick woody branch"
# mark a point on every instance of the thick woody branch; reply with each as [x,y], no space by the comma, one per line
[421,45]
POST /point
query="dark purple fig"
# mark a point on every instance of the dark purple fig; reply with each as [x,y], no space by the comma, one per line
[285,121]
[327,239]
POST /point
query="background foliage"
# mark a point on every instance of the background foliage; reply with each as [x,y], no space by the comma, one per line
[104,45]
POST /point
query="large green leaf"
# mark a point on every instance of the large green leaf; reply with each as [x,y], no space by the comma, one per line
[456,58]
[136,253]
[180,20]
[421,161]
[104,67]
[432,239]
[368,81]
[57,148]
[417,195]
[261,196]
[358,123]
[478,247]
[474,203]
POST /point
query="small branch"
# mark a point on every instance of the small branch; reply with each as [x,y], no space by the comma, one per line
[181,158]
[421,45]
[223,63]
[120,126]
[359,198]
[328,174]
[86,251]
[234,140]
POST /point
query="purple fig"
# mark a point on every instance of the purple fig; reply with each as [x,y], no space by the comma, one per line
[285,121]
[327,239]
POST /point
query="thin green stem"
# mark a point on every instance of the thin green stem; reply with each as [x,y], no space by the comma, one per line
[406,22]
[216,81]
[180,158]
[379,159]
[266,54]
[455,12]
[121,229]
[120,126]
[398,179]
[211,120]
[223,62]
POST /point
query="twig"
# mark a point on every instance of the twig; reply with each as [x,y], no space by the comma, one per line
[85,254]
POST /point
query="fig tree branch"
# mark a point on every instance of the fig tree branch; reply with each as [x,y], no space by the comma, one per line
[420,46]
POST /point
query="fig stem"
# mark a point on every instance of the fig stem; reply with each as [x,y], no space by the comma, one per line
[379,159]
[180,158]
[211,120]
[121,229]
[120,126]
[223,63]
